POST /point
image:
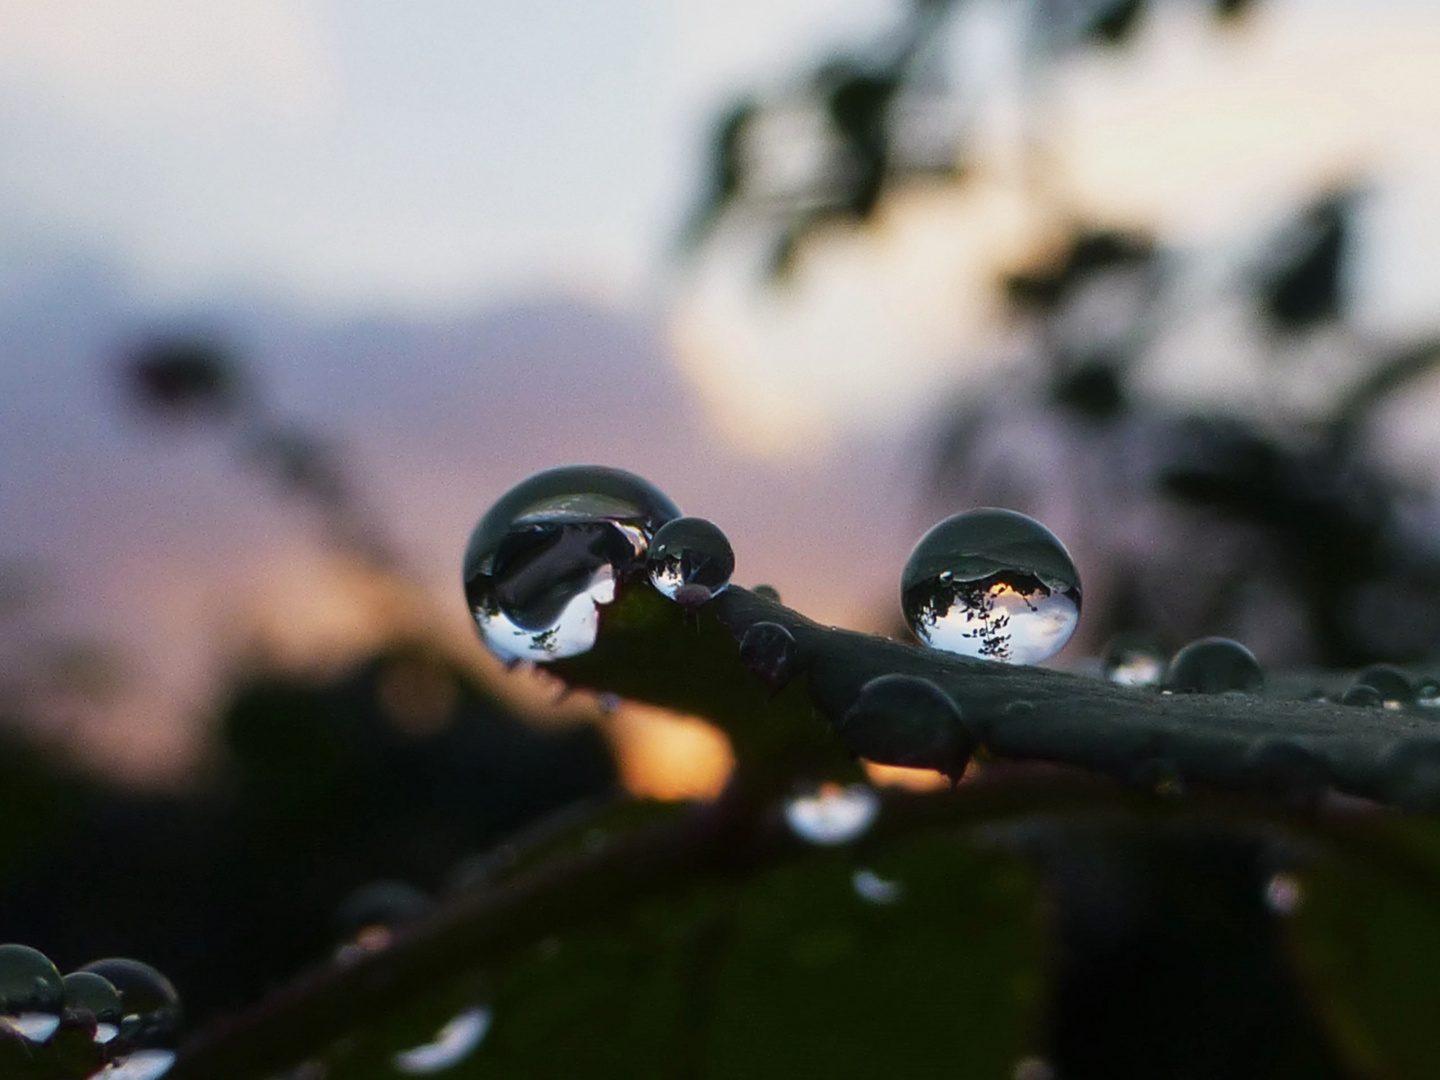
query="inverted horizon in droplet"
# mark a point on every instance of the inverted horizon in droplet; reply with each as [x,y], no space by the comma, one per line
[453,1043]
[996,620]
[572,634]
[34,1026]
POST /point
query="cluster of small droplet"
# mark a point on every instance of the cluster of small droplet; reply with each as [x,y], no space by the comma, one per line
[120,1016]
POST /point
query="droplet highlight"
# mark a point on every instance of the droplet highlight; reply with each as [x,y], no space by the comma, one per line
[690,561]
[141,1065]
[149,1003]
[87,992]
[832,814]
[1134,661]
[452,1044]
[770,653]
[874,889]
[1394,686]
[1214,665]
[1283,893]
[993,584]
[553,551]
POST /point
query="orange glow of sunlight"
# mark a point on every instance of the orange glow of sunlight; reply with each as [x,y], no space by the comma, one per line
[665,755]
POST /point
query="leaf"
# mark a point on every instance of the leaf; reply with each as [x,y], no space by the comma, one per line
[1368,940]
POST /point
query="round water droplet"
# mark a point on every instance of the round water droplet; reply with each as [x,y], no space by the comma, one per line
[1283,893]
[690,561]
[141,1065]
[31,992]
[1214,665]
[832,814]
[770,652]
[87,992]
[1134,661]
[550,553]
[1363,696]
[874,889]
[149,1002]
[1427,693]
[368,917]
[1393,684]
[907,721]
[993,584]
[453,1043]
[769,592]
[1284,770]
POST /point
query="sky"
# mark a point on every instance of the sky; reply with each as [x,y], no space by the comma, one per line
[442,232]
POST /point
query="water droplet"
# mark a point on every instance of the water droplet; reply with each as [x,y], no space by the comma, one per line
[1285,770]
[1427,693]
[1393,684]
[907,721]
[1362,695]
[1283,893]
[551,552]
[993,584]
[770,652]
[874,889]
[1410,775]
[150,1004]
[141,1065]
[453,1043]
[31,992]
[832,814]
[1214,665]
[769,592]
[1134,661]
[690,561]
[368,917]
[87,992]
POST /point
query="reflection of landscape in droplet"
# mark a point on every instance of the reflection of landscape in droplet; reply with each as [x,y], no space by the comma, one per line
[690,561]
[1015,621]
[1131,662]
[992,584]
[31,992]
[453,1043]
[141,1065]
[92,993]
[832,814]
[34,1026]
[874,889]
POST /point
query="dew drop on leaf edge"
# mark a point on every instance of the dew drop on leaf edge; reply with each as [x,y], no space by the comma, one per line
[552,551]
[993,584]
[1214,665]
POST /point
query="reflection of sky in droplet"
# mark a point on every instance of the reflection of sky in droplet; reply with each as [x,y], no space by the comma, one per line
[874,889]
[832,814]
[453,1043]
[35,1026]
[1283,893]
[141,1065]
[105,1032]
[993,620]
[571,634]
[1138,669]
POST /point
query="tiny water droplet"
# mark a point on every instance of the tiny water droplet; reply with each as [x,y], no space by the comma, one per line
[993,584]
[1427,693]
[552,551]
[769,592]
[1396,690]
[874,889]
[907,721]
[769,651]
[141,1065]
[452,1044]
[368,918]
[1362,695]
[150,1004]
[690,561]
[31,992]
[1134,661]
[832,814]
[1283,893]
[88,992]
[1214,665]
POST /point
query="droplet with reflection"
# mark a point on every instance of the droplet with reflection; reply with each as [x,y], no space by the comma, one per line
[452,1044]
[832,813]
[770,653]
[874,889]
[141,1065]
[1427,693]
[1394,686]
[1362,696]
[150,1006]
[31,992]
[907,721]
[87,992]
[551,552]
[690,561]
[993,584]
[1132,660]
[1214,665]
[368,917]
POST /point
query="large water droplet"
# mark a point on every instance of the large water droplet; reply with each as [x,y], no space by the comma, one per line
[550,553]
[1362,696]
[453,1043]
[874,889]
[1134,661]
[832,814]
[907,721]
[87,992]
[149,1002]
[994,584]
[1214,665]
[141,1065]
[690,561]
[31,992]
[1393,684]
